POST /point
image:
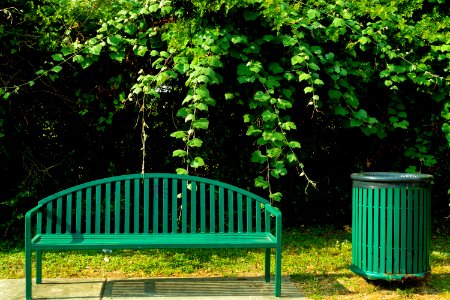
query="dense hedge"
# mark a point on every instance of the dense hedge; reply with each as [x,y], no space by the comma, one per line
[285,98]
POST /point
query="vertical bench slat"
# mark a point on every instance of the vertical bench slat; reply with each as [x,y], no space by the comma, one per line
[155,205]
[239,210]
[88,210]
[136,206]
[49,221]
[202,208]
[212,209]
[165,205]
[174,205]
[78,212]
[98,207]
[117,208]
[267,225]
[193,207]
[230,211]
[258,216]
[221,210]
[69,214]
[39,223]
[108,208]
[184,206]
[249,215]
[127,206]
[58,214]
[146,205]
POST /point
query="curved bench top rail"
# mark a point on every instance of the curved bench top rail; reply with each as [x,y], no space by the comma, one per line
[151,176]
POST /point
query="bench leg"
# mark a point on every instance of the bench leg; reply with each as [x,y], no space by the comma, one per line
[278,271]
[28,279]
[38,267]
[267,265]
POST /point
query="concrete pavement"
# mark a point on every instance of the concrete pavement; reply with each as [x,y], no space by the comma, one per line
[173,288]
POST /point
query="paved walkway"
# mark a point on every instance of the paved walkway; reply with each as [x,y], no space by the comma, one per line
[158,288]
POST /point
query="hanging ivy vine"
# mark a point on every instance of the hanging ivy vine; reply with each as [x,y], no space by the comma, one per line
[283,56]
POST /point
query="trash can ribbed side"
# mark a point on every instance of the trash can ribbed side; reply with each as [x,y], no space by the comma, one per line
[391,225]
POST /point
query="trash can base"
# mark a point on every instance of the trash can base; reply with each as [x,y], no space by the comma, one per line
[385,276]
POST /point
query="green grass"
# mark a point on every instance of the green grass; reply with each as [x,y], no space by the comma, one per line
[316,259]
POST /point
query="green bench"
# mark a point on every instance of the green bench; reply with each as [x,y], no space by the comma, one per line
[152,211]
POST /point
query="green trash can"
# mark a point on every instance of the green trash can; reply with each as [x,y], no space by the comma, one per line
[391,225]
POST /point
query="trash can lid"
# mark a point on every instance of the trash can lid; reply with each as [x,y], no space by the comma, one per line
[391,177]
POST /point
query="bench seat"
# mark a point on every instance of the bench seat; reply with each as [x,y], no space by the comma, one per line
[148,241]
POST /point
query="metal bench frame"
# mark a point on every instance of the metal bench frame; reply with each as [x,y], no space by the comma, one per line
[152,211]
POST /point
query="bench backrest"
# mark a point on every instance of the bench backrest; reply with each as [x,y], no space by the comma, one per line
[153,203]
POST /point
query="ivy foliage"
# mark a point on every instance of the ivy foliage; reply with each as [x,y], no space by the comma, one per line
[373,65]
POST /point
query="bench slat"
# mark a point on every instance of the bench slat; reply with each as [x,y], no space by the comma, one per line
[184,211]
[136,205]
[239,210]
[165,212]
[127,206]
[174,205]
[69,214]
[112,241]
[212,209]
[108,208]
[221,210]
[249,214]
[117,218]
[202,208]
[230,212]
[48,229]
[98,207]
[88,210]
[78,212]
[58,214]
[193,207]
[146,206]
[155,205]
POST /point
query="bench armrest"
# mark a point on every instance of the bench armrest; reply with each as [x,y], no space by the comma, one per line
[277,214]
[28,223]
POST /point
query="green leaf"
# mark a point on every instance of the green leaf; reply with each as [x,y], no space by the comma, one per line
[355,122]
[308,89]
[119,56]
[195,142]
[292,158]
[268,116]
[96,49]
[57,57]
[294,144]
[197,162]
[201,123]
[276,196]
[313,13]
[334,94]
[260,182]
[114,40]
[178,134]
[274,152]
[258,157]
[351,100]
[56,69]
[130,28]
[288,125]
[361,114]
[304,76]
[179,153]
[252,130]
[181,171]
